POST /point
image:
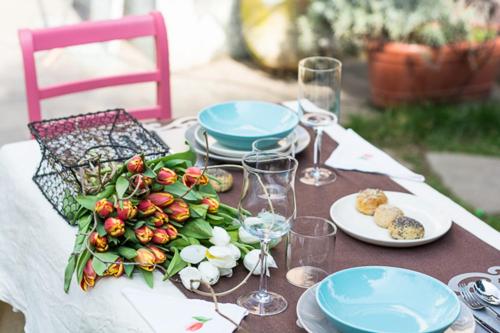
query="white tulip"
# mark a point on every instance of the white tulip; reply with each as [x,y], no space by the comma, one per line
[193,254]
[227,272]
[251,260]
[221,257]
[220,237]
[189,274]
[235,251]
[245,236]
[209,273]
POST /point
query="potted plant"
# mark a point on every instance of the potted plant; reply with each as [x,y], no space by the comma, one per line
[418,50]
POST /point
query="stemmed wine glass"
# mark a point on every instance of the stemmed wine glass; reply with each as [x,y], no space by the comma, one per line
[266,209]
[319,106]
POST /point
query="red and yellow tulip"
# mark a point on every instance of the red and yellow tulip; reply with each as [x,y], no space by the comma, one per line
[135,164]
[89,276]
[161,199]
[178,210]
[194,176]
[171,231]
[212,203]
[166,176]
[146,259]
[160,236]
[146,208]
[115,269]
[114,226]
[98,242]
[160,256]
[126,210]
[159,218]
[103,208]
[144,234]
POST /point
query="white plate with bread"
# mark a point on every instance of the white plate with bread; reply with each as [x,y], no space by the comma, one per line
[388,218]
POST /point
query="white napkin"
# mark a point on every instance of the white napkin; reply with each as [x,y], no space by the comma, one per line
[173,314]
[355,153]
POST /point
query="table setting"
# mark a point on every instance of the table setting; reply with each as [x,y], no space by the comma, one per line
[234,220]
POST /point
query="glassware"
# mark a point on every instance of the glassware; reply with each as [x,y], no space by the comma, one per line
[285,146]
[266,209]
[310,250]
[319,106]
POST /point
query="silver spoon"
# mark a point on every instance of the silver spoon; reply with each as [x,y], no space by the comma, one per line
[487,291]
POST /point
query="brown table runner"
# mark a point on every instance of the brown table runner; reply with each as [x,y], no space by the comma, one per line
[457,252]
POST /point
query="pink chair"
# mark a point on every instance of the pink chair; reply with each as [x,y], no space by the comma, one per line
[91,32]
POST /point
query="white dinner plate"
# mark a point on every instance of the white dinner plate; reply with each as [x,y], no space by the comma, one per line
[215,147]
[363,227]
[312,320]
[302,135]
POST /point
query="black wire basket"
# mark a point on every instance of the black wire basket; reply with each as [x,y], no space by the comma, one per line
[71,145]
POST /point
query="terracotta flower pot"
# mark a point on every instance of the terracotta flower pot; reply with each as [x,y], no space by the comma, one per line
[404,73]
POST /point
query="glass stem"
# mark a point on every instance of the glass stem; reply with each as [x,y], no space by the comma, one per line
[263,294]
[317,150]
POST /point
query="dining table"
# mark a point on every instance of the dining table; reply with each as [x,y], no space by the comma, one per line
[35,243]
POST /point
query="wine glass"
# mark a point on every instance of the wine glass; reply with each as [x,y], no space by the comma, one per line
[319,106]
[266,209]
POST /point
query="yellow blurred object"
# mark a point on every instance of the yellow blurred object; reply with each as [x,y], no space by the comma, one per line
[270,31]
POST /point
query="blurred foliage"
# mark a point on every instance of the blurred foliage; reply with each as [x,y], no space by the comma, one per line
[409,132]
[346,24]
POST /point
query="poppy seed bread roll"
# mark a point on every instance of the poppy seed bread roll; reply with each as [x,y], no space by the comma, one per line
[405,227]
[368,200]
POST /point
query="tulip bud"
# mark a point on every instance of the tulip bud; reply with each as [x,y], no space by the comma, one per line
[115,269]
[161,199]
[190,278]
[160,256]
[166,176]
[213,204]
[209,273]
[114,226]
[178,210]
[100,243]
[159,218]
[125,210]
[146,208]
[160,236]
[220,237]
[103,208]
[194,176]
[252,262]
[171,231]
[141,181]
[135,164]
[89,276]
[146,259]
[144,234]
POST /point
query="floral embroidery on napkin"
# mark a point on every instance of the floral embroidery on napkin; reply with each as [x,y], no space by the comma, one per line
[198,324]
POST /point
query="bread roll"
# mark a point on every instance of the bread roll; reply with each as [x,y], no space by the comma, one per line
[368,200]
[405,227]
[385,214]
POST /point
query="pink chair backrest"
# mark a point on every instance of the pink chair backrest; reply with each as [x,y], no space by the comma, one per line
[92,32]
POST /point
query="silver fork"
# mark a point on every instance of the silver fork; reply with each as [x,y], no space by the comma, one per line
[472,302]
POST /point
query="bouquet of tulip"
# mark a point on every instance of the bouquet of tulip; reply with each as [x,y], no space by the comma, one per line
[160,214]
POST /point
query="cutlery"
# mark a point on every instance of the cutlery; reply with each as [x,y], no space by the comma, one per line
[487,291]
[473,302]
[484,325]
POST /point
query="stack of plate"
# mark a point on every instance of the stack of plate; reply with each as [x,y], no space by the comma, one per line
[232,128]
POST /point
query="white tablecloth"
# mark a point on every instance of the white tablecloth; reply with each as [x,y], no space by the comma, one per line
[35,243]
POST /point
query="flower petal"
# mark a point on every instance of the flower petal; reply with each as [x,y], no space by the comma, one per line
[209,273]
[220,237]
[193,254]
[189,274]
[246,237]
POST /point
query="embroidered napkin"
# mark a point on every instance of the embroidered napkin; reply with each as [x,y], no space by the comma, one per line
[355,153]
[174,314]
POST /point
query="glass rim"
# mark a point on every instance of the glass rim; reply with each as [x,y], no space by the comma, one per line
[270,154]
[338,64]
[330,223]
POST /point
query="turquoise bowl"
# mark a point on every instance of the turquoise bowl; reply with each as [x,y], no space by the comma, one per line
[238,124]
[386,300]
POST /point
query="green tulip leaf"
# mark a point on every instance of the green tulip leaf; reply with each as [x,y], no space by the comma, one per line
[177,163]
[197,228]
[108,191]
[156,166]
[129,270]
[106,257]
[68,272]
[175,265]
[150,173]
[213,217]
[100,229]
[179,243]
[130,235]
[127,252]
[99,267]
[208,191]
[198,210]
[178,189]
[80,264]
[122,184]
[148,277]
[87,201]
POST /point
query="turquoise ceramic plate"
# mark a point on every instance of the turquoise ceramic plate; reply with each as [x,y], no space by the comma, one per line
[386,300]
[238,124]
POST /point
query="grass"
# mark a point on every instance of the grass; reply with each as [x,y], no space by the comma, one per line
[409,132]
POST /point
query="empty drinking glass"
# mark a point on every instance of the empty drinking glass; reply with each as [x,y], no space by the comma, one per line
[284,145]
[310,250]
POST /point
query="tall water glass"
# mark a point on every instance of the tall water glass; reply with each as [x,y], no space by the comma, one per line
[319,106]
[266,210]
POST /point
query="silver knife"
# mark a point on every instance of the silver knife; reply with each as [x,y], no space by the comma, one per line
[485,325]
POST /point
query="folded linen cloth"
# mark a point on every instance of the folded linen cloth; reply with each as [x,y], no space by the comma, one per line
[355,153]
[173,314]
